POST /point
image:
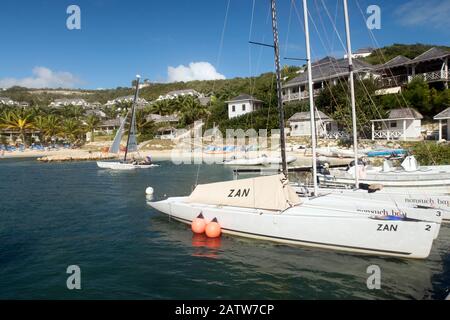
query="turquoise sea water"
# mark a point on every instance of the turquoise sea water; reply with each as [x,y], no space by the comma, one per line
[61,214]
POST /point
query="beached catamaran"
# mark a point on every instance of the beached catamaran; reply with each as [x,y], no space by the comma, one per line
[269,208]
[126,163]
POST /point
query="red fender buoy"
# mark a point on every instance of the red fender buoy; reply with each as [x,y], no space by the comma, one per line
[213,229]
[198,225]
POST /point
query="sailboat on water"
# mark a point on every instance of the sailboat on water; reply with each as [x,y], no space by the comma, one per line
[268,208]
[126,163]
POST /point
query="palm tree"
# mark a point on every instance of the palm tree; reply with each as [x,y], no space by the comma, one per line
[47,125]
[162,107]
[191,110]
[91,123]
[141,121]
[71,129]
[16,120]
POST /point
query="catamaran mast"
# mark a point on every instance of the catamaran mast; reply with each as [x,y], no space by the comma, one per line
[311,96]
[133,107]
[278,74]
[352,91]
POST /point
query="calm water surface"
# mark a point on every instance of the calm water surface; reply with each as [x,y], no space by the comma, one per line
[56,215]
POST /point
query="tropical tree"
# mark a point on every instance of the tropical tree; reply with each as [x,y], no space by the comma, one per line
[17,121]
[162,107]
[191,110]
[91,123]
[71,129]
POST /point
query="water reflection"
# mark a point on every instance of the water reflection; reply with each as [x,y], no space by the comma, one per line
[305,273]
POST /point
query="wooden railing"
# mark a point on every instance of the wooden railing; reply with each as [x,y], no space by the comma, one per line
[299,96]
[431,76]
[387,134]
[336,135]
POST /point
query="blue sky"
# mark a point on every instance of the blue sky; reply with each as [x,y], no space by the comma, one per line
[121,38]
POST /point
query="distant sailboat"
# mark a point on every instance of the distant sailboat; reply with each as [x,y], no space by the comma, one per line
[131,146]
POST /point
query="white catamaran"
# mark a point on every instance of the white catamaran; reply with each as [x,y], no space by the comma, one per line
[268,208]
[127,164]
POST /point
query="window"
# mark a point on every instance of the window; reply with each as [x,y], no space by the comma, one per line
[394,124]
[233,108]
[243,107]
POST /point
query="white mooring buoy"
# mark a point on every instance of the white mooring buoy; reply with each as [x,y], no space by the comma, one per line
[149,190]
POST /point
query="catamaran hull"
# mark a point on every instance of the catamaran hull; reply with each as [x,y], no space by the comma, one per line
[392,183]
[123,166]
[308,226]
[438,204]
[259,161]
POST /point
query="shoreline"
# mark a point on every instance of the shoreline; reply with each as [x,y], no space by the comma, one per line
[73,155]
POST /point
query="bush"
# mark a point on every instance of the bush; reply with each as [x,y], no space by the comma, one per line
[431,153]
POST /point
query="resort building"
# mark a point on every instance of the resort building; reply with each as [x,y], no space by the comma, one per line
[180,93]
[242,104]
[7,101]
[432,66]
[404,124]
[141,102]
[361,53]
[326,127]
[58,103]
[444,124]
[156,118]
[109,126]
[326,72]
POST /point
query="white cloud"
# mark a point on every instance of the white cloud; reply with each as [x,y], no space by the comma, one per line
[195,71]
[43,78]
[433,13]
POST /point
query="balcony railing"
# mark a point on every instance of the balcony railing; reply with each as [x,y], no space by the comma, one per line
[300,96]
[387,134]
[336,135]
[394,81]
[431,76]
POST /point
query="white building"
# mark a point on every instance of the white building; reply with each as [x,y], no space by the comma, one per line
[7,101]
[242,104]
[443,117]
[180,93]
[404,123]
[126,99]
[58,103]
[361,53]
[326,127]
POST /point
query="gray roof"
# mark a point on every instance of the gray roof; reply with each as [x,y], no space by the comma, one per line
[160,119]
[243,97]
[404,113]
[364,50]
[329,68]
[300,116]
[431,54]
[204,101]
[184,91]
[394,62]
[110,123]
[443,115]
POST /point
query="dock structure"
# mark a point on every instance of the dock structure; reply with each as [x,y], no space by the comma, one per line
[269,169]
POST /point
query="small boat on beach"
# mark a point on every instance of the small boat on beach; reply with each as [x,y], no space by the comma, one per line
[435,179]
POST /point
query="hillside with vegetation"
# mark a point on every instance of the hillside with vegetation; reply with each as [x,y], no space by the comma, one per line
[71,122]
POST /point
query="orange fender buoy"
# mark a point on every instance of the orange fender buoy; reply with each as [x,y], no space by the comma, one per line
[213,229]
[198,225]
